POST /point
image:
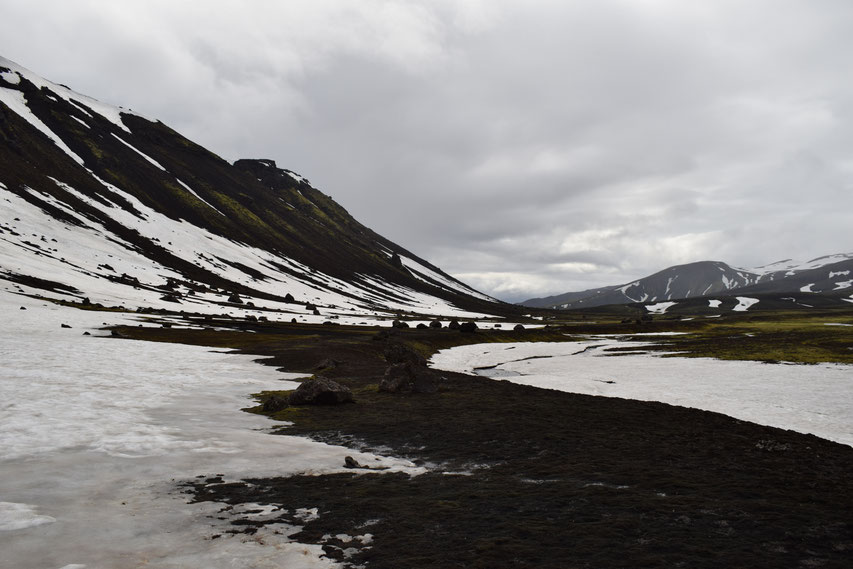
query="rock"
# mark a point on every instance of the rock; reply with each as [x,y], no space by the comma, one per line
[406,377]
[66,326]
[396,261]
[171,297]
[328,363]
[398,353]
[321,391]
[468,327]
[274,404]
[86,334]
[518,328]
[435,324]
[350,462]
[397,377]
[454,325]
[421,326]
[399,324]
[116,334]
[289,298]
[235,298]
[23,308]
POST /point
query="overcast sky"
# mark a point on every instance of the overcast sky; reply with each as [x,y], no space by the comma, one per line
[528,147]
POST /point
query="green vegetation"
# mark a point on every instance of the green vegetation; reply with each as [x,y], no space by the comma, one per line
[802,337]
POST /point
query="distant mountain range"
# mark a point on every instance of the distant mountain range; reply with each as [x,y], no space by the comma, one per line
[830,276]
[102,205]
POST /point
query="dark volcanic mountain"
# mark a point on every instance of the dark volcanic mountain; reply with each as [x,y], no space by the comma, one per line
[101,203]
[828,276]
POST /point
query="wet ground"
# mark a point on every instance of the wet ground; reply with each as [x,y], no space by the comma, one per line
[527,477]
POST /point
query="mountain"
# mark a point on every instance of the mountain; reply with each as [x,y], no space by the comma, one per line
[103,205]
[830,275]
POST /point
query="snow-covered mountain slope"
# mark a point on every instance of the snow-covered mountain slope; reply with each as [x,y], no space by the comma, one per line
[681,281]
[103,205]
[790,267]
[830,275]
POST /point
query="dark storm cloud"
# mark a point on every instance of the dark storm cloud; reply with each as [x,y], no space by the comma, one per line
[529,148]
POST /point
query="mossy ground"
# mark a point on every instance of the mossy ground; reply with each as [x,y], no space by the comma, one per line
[526,477]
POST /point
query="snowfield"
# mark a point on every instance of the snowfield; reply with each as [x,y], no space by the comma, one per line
[816,399]
[95,430]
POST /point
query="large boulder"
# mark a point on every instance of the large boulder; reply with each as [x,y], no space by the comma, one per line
[321,391]
[468,327]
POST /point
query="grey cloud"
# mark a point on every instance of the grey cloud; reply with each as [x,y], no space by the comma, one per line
[529,147]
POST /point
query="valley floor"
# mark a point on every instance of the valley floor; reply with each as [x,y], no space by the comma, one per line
[161,470]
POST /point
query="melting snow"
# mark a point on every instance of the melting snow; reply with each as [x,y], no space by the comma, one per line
[19,516]
[428,275]
[813,399]
[660,307]
[10,77]
[148,158]
[96,429]
[714,303]
[109,112]
[198,197]
[744,303]
[16,101]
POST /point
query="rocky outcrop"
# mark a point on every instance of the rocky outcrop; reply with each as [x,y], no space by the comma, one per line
[321,391]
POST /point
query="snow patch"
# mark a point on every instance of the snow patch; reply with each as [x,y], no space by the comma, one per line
[10,77]
[812,399]
[148,158]
[660,307]
[17,102]
[744,303]
[98,430]
[19,516]
[198,197]
[109,112]
[714,303]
